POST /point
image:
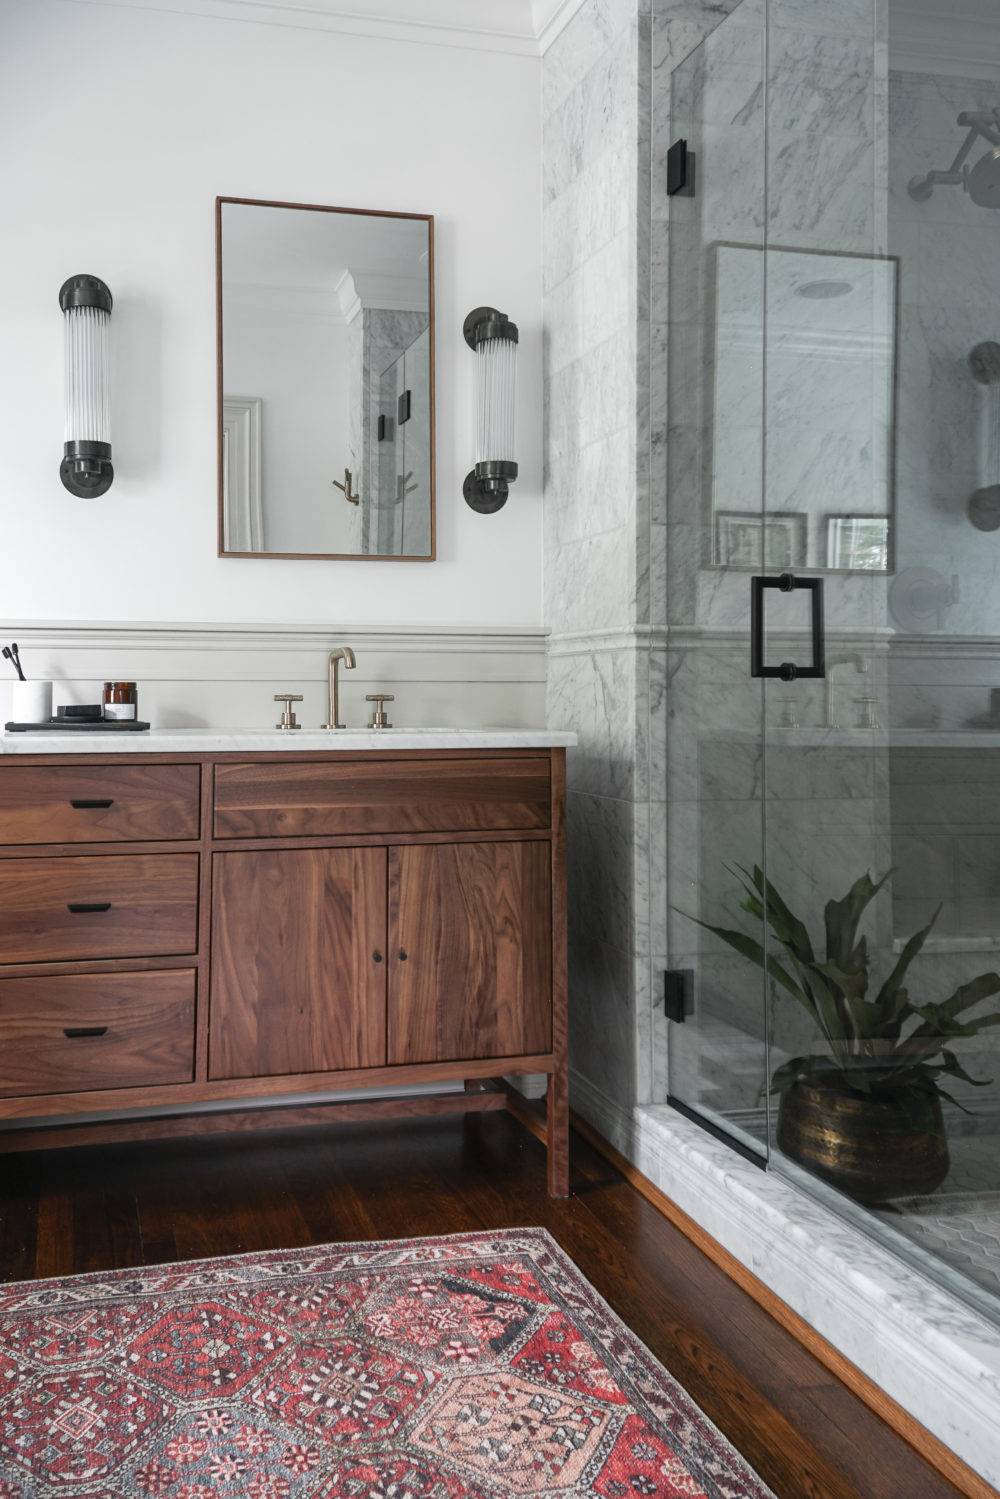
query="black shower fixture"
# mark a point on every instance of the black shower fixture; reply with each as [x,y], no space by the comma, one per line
[982,181]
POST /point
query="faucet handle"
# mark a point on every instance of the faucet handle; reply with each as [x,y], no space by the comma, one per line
[288,719]
[379,719]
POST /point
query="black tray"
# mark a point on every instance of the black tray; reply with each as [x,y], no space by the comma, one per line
[79,726]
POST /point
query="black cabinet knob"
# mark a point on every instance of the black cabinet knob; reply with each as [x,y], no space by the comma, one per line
[376,957]
[403,955]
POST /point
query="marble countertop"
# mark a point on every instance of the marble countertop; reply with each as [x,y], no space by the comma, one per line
[256,741]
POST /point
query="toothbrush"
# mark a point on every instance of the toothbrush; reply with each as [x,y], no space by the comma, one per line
[10,654]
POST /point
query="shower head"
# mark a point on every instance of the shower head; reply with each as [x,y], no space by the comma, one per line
[984,360]
[983,182]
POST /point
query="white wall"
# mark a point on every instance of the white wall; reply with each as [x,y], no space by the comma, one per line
[120,127]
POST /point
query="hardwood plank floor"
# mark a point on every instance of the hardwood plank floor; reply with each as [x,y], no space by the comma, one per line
[91,1209]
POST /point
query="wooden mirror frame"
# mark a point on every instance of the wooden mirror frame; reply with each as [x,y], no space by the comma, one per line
[380,213]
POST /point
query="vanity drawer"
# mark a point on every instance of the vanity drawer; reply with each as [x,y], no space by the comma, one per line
[96,1030]
[101,906]
[97,803]
[491,794]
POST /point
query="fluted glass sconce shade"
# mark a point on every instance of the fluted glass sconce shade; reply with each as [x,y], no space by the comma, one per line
[86,466]
[493,337]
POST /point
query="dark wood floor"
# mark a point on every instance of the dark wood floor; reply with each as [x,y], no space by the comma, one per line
[77,1210]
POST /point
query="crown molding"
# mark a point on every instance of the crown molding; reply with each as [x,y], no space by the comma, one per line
[552,17]
[524,28]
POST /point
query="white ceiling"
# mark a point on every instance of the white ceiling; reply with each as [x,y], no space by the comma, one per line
[520,26]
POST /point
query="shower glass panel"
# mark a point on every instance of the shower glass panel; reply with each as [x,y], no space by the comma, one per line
[711,292]
[401,458]
[833,431]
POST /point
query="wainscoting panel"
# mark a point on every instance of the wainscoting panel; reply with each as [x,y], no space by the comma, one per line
[225,676]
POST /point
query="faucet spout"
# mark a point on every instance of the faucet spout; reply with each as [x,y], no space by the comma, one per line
[343,653]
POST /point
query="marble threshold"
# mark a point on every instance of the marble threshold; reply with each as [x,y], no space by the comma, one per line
[927,1350]
[256,741]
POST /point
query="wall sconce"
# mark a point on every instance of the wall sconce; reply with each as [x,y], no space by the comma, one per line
[493,338]
[86,466]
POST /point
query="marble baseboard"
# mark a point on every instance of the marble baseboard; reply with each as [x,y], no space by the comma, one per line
[936,1358]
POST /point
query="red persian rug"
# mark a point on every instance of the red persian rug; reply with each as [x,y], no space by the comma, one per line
[480,1366]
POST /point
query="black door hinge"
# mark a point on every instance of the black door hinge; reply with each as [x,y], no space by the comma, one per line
[678,994]
[677,167]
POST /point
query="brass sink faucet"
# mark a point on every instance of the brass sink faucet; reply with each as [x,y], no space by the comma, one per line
[345,654]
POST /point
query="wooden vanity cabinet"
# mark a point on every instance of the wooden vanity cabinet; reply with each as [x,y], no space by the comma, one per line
[298,961]
[209,933]
[470,945]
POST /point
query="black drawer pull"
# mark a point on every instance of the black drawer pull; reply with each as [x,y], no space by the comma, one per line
[87,907]
[403,955]
[74,1032]
[83,802]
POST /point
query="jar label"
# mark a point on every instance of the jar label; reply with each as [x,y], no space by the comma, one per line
[119,710]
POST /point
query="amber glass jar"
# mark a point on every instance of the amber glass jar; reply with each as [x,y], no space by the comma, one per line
[121,700]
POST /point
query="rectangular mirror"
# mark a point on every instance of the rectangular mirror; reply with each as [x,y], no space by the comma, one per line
[829,413]
[325,381]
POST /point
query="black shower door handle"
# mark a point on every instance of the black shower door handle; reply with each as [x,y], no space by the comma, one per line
[788,671]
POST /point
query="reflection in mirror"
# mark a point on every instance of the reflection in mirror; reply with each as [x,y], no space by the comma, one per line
[326,382]
[829,410]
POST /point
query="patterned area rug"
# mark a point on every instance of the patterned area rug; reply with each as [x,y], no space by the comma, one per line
[480,1366]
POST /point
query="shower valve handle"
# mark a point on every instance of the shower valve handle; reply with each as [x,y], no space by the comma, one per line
[787,671]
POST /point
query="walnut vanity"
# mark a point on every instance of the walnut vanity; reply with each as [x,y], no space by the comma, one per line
[192,919]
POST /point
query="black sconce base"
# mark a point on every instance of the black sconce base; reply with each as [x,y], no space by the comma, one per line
[86,470]
[486,496]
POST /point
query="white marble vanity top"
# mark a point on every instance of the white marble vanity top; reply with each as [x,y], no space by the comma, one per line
[249,741]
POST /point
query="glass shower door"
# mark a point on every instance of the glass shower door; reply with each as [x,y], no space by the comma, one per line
[826,360]
[708,311]
[882,784]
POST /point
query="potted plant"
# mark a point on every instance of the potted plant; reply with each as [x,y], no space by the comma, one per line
[863,1112]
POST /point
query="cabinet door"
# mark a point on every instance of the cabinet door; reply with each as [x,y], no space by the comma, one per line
[470,951]
[298,977]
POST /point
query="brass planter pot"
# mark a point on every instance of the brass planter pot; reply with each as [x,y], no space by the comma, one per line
[870,1148]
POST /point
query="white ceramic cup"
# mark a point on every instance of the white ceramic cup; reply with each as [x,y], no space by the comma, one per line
[31,702]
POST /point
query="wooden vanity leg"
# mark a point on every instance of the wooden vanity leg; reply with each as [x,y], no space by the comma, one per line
[557,1110]
[557,1103]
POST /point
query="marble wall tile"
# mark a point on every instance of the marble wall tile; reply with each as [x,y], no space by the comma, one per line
[582,44]
[599,111]
[681,25]
[597,523]
[602,856]
[587,489]
[591,211]
[595,692]
[590,584]
[602,1014]
[592,397]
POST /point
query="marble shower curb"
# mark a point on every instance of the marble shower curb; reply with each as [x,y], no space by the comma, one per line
[924,1348]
